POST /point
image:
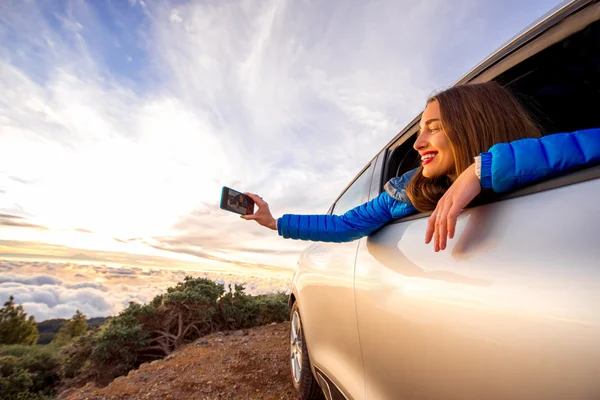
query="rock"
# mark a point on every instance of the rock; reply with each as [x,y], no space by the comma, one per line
[219,334]
[239,333]
[65,394]
[201,343]
[218,340]
[169,356]
[273,323]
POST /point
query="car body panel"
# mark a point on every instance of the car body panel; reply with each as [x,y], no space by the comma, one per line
[508,310]
[325,288]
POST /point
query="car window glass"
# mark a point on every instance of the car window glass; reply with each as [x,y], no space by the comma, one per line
[356,194]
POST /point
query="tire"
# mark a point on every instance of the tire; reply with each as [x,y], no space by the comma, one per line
[304,382]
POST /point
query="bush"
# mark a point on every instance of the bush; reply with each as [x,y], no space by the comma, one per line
[74,359]
[28,375]
[14,380]
[119,343]
[272,308]
[143,332]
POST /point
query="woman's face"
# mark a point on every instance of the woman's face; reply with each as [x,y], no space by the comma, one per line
[437,157]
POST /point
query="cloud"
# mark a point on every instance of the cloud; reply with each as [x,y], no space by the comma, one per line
[21,180]
[126,118]
[37,280]
[57,290]
[174,17]
[18,222]
[37,250]
[7,216]
[93,285]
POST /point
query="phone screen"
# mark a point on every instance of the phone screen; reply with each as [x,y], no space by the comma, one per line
[234,201]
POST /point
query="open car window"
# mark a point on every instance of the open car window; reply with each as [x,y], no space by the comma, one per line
[558,83]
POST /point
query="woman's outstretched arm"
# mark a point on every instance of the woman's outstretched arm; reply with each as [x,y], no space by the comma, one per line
[354,224]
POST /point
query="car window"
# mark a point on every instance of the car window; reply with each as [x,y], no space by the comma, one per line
[356,194]
[553,78]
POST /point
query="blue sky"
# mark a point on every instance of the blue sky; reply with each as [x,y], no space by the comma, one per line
[121,120]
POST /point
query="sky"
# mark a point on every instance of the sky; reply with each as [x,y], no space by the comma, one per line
[120,121]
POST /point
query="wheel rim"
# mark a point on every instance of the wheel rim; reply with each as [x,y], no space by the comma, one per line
[296,346]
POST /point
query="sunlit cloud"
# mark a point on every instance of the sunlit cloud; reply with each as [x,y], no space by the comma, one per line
[120,121]
[58,289]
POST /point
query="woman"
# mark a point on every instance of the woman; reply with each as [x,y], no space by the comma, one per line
[457,128]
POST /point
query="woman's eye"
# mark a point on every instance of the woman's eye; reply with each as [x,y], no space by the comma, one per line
[434,129]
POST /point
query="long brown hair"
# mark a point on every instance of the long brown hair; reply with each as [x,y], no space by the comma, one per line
[474,118]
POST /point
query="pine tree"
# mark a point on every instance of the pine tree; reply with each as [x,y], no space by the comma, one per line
[76,326]
[15,327]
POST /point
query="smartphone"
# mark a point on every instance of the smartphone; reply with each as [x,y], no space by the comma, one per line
[234,201]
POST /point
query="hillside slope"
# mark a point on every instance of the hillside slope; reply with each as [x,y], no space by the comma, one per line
[252,364]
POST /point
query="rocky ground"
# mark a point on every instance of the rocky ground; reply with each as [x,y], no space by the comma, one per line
[252,364]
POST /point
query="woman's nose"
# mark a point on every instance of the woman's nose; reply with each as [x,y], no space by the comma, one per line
[420,142]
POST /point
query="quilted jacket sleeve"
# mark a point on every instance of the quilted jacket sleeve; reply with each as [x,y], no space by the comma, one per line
[507,166]
[354,224]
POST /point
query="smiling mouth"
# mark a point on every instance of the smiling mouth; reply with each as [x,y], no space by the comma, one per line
[427,158]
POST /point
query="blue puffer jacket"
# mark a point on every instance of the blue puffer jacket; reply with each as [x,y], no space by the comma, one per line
[506,166]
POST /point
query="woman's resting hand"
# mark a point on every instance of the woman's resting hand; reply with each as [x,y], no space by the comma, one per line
[442,223]
[263,214]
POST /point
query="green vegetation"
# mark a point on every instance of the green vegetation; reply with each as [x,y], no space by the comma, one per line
[79,351]
[49,329]
[15,327]
[27,371]
[73,328]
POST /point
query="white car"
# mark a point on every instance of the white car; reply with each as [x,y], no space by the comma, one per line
[511,309]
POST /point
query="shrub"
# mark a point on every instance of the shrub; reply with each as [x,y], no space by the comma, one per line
[272,308]
[15,327]
[75,358]
[119,343]
[143,332]
[29,376]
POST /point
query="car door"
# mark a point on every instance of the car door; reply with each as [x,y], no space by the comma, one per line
[508,311]
[325,284]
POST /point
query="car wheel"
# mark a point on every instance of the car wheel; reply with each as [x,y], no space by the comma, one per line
[304,382]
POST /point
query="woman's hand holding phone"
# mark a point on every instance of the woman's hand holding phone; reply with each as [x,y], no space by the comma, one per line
[263,214]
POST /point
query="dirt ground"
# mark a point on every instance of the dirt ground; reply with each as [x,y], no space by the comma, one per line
[252,364]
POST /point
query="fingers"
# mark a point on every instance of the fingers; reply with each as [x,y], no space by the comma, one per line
[248,217]
[441,224]
[452,218]
[430,227]
[257,200]
[444,222]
